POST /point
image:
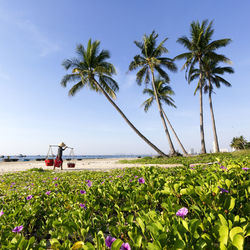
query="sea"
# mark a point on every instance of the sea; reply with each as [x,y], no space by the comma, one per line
[79,157]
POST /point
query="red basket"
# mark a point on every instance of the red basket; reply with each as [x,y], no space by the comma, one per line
[49,162]
[71,165]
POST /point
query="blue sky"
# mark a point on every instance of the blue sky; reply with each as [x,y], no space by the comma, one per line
[36,36]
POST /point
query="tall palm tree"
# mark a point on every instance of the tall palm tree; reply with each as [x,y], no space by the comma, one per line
[199,46]
[148,61]
[164,92]
[212,77]
[90,65]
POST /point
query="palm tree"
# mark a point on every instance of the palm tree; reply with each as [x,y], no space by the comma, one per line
[211,77]
[150,60]
[239,143]
[200,46]
[164,92]
[92,64]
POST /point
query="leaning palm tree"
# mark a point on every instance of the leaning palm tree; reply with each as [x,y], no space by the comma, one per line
[212,77]
[148,61]
[164,93]
[200,46]
[91,65]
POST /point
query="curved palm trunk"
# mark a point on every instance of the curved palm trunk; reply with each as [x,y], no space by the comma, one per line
[213,121]
[129,123]
[203,147]
[172,150]
[177,138]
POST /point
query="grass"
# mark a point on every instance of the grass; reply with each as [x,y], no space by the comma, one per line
[203,158]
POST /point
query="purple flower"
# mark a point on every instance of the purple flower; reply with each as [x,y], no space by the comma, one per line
[136,176]
[48,192]
[82,205]
[223,168]
[89,184]
[82,192]
[17,229]
[130,180]
[222,190]
[245,169]
[29,197]
[1,213]
[56,185]
[55,178]
[141,180]
[109,240]
[125,246]
[102,182]
[182,212]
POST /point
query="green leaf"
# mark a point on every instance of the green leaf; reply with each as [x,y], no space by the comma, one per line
[179,244]
[88,246]
[223,233]
[228,183]
[116,245]
[184,223]
[154,246]
[222,220]
[141,224]
[232,204]
[238,241]
[234,231]
[78,245]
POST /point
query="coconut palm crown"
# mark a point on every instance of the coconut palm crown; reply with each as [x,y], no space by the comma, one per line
[151,58]
[90,64]
[164,92]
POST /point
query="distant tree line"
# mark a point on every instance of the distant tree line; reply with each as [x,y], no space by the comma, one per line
[239,143]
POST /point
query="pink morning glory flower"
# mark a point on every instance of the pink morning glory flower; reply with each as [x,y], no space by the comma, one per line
[82,192]
[48,192]
[1,213]
[109,240]
[141,180]
[245,169]
[82,205]
[29,197]
[89,184]
[222,190]
[125,246]
[182,212]
[17,229]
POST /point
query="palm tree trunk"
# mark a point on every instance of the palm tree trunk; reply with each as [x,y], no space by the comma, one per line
[203,147]
[213,120]
[172,150]
[183,149]
[129,123]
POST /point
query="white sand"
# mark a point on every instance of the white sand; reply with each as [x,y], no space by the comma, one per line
[85,164]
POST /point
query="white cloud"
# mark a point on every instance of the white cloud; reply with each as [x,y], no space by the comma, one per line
[32,32]
[125,79]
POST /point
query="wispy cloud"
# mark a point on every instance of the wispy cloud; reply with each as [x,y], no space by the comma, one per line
[125,80]
[4,75]
[32,32]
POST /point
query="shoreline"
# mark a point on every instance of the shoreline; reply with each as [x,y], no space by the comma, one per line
[85,164]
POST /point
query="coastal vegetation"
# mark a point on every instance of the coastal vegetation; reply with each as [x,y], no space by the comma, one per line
[202,207]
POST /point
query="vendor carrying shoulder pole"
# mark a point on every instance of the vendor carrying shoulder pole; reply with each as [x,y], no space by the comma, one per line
[61,148]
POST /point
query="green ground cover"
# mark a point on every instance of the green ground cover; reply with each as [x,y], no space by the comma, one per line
[136,208]
[203,158]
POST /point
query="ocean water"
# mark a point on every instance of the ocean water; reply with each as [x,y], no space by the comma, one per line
[42,157]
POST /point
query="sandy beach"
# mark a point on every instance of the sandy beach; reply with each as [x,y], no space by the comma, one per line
[85,164]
